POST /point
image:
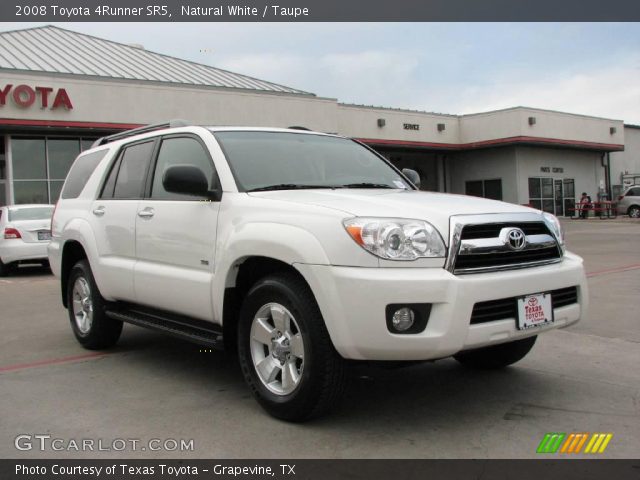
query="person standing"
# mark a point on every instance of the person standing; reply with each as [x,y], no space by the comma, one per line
[585,205]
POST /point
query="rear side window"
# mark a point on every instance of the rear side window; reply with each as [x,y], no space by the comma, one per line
[127,177]
[80,172]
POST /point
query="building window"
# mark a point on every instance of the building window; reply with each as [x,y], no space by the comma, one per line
[40,165]
[485,188]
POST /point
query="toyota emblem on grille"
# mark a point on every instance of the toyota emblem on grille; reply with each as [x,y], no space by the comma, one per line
[515,239]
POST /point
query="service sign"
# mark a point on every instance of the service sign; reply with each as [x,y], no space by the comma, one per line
[534,310]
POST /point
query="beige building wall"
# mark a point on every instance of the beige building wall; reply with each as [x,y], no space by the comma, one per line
[627,162]
[582,166]
[362,122]
[514,122]
[485,164]
[115,101]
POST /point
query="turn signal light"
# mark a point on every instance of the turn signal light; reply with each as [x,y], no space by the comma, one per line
[10,233]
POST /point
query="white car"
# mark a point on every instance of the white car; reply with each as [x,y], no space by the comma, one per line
[304,251]
[26,231]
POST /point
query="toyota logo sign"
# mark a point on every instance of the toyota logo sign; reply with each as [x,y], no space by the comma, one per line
[515,239]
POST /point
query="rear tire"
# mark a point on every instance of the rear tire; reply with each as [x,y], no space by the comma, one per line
[86,307]
[286,355]
[6,269]
[497,356]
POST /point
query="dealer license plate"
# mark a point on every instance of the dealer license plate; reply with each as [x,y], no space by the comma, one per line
[46,235]
[534,311]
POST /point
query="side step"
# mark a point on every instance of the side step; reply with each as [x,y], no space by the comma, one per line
[193,330]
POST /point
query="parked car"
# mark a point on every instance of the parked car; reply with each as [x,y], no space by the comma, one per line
[629,202]
[304,251]
[26,231]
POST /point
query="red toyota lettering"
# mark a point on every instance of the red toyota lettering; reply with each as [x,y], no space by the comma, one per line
[24,95]
[62,99]
[44,95]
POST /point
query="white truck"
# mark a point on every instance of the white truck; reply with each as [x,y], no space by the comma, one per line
[305,252]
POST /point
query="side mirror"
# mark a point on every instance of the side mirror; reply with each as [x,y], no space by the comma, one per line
[186,180]
[413,176]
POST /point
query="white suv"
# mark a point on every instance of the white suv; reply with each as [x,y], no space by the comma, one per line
[303,251]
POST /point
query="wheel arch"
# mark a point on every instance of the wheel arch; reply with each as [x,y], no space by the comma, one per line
[239,279]
[72,252]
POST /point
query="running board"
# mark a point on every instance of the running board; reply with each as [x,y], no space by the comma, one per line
[193,330]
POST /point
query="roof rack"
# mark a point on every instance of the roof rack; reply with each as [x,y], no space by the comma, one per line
[137,131]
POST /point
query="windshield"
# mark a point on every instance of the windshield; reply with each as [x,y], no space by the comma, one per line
[283,161]
[30,213]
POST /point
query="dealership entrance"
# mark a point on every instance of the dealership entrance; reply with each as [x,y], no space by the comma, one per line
[553,195]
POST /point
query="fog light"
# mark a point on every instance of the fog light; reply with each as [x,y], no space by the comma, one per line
[403,319]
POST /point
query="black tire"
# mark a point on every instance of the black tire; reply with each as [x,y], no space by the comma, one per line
[497,356]
[103,331]
[6,268]
[634,211]
[323,378]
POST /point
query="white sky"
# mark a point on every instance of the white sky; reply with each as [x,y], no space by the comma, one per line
[587,68]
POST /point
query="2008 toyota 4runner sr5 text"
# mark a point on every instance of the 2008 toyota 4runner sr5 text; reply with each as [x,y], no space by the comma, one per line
[303,251]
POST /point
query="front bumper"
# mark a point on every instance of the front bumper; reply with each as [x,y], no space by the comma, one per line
[16,250]
[353,300]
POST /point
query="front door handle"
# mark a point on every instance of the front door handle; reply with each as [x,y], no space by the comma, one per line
[99,211]
[146,213]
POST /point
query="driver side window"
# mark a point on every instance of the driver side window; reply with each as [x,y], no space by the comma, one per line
[181,151]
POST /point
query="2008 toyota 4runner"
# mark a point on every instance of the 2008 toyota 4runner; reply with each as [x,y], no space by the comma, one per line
[303,251]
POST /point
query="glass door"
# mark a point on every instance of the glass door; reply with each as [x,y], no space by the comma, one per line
[558,198]
[551,195]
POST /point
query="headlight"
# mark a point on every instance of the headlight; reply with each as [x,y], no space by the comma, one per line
[554,224]
[396,239]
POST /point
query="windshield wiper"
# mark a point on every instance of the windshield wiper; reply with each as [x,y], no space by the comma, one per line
[366,185]
[288,186]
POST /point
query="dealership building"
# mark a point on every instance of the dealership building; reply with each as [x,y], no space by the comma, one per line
[60,90]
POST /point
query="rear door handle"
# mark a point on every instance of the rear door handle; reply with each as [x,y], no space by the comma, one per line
[146,213]
[98,212]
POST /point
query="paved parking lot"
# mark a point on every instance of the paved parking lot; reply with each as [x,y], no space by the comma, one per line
[582,379]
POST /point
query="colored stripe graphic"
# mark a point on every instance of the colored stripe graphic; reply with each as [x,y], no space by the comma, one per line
[574,443]
[598,443]
[551,442]
[555,442]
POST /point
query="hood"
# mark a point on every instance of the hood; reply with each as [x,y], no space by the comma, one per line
[436,208]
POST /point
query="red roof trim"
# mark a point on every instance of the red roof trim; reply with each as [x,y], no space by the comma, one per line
[372,141]
[495,142]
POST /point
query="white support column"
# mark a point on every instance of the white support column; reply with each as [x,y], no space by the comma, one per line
[9,160]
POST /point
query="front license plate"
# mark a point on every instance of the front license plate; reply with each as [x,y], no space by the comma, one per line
[44,235]
[534,310]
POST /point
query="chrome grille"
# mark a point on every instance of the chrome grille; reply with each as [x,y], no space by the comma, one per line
[490,230]
[479,243]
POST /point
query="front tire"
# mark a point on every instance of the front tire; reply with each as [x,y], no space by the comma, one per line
[634,211]
[285,352]
[86,307]
[497,356]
